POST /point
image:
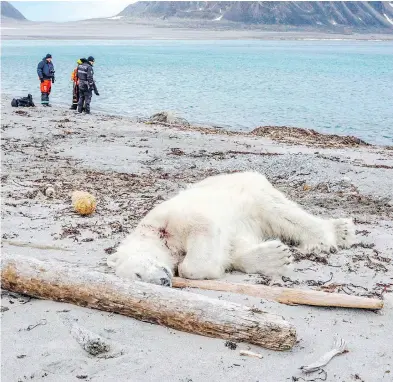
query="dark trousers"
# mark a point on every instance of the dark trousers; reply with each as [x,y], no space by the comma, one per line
[45,98]
[85,95]
[75,96]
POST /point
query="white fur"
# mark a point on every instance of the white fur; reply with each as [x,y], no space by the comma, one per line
[236,221]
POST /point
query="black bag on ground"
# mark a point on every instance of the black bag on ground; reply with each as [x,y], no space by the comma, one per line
[23,102]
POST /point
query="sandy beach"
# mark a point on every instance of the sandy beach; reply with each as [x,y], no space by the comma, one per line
[130,167]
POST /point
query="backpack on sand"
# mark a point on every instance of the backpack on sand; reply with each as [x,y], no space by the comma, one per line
[23,102]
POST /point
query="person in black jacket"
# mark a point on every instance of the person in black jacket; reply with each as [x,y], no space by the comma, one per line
[46,75]
[86,84]
[75,82]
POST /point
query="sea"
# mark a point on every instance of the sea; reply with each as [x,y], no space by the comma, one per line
[337,87]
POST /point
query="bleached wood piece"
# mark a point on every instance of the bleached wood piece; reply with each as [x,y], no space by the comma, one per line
[250,354]
[287,296]
[339,347]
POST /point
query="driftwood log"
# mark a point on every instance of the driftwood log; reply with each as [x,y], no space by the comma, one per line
[287,296]
[177,309]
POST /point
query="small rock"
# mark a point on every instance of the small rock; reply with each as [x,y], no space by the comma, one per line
[167,117]
[231,345]
[346,180]
[50,192]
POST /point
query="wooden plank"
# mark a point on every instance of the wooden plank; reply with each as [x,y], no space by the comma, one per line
[287,296]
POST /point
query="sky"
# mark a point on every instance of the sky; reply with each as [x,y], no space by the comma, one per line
[69,10]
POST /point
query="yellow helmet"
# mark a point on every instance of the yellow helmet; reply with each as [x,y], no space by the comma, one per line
[79,62]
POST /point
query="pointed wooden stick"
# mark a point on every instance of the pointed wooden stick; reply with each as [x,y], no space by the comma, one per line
[287,296]
[180,310]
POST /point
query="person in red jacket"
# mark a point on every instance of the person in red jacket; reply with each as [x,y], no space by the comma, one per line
[46,75]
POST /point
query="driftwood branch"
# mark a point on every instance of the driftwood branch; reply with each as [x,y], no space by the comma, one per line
[340,346]
[177,309]
[287,296]
[92,343]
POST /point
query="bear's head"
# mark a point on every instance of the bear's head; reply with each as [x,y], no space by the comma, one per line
[143,260]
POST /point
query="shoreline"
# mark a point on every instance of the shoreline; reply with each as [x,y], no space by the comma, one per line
[207,38]
[130,167]
[279,133]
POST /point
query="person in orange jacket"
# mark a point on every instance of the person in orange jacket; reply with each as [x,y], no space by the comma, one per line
[75,83]
[46,75]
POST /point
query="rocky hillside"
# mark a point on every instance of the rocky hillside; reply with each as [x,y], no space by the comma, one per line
[377,14]
[10,12]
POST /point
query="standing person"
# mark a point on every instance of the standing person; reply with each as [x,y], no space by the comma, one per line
[46,74]
[75,82]
[86,84]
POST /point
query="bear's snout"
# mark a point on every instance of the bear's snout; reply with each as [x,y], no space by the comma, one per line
[165,281]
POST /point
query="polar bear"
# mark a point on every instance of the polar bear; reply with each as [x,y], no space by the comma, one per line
[233,221]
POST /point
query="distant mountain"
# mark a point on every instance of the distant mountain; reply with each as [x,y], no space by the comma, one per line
[328,14]
[9,11]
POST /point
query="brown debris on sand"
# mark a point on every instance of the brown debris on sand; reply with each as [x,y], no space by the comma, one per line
[307,136]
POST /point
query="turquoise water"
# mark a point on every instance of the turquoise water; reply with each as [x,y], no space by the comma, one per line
[341,87]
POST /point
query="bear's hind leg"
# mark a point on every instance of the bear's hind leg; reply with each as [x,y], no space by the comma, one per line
[313,234]
[270,258]
[286,220]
